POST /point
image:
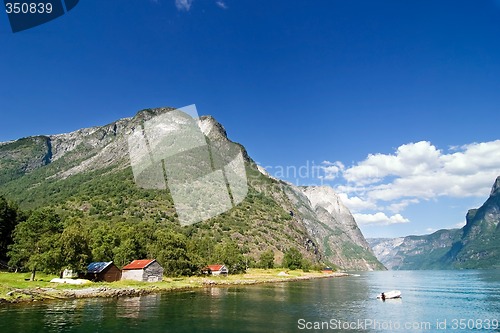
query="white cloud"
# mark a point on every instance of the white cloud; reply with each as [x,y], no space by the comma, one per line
[221,4]
[331,170]
[397,207]
[459,225]
[386,184]
[419,170]
[410,159]
[473,158]
[355,203]
[379,219]
[183,4]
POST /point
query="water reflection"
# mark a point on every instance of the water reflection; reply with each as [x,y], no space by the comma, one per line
[427,297]
[138,307]
[61,316]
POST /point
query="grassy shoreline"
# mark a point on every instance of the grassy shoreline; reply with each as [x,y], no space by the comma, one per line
[15,289]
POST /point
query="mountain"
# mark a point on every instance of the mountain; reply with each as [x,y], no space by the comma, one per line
[415,252]
[476,245]
[336,229]
[87,175]
[479,246]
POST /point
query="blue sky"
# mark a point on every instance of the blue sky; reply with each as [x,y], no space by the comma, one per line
[416,84]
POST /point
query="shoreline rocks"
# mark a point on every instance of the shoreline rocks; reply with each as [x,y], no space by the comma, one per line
[44,294]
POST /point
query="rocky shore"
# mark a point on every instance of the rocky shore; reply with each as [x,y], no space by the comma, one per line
[22,295]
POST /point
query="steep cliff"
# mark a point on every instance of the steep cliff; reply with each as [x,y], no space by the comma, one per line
[479,246]
[337,231]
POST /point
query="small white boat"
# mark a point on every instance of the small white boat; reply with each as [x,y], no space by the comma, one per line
[390,294]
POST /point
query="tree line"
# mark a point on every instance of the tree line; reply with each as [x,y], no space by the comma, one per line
[43,240]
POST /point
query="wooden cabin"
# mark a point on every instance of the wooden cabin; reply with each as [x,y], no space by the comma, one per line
[102,272]
[147,270]
[215,270]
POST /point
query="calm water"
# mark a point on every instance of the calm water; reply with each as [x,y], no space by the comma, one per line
[429,297]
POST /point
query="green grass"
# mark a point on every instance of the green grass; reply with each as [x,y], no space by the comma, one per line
[15,281]
[21,280]
[12,281]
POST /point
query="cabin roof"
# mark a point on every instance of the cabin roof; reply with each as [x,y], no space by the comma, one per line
[215,268]
[139,264]
[98,266]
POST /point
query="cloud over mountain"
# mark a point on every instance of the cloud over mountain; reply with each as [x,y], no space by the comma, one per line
[414,172]
[380,219]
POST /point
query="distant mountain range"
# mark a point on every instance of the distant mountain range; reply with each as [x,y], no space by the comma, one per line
[476,245]
[87,173]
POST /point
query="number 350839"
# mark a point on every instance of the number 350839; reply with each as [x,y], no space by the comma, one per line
[28,8]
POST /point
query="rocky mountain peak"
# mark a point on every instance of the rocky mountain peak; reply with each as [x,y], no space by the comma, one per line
[327,198]
[147,114]
[332,211]
[212,128]
[495,190]
[331,226]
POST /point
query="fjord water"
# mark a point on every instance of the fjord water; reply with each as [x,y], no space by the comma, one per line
[433,301]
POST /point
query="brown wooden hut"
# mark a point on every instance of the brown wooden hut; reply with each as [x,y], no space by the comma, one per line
[102,271]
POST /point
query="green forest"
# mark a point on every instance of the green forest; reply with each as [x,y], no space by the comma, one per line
[50,222]
[46,241]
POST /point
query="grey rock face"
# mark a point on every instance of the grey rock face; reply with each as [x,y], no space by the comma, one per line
[414,252]
[332,227]
[386,250]
[495,190]
[325,198]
